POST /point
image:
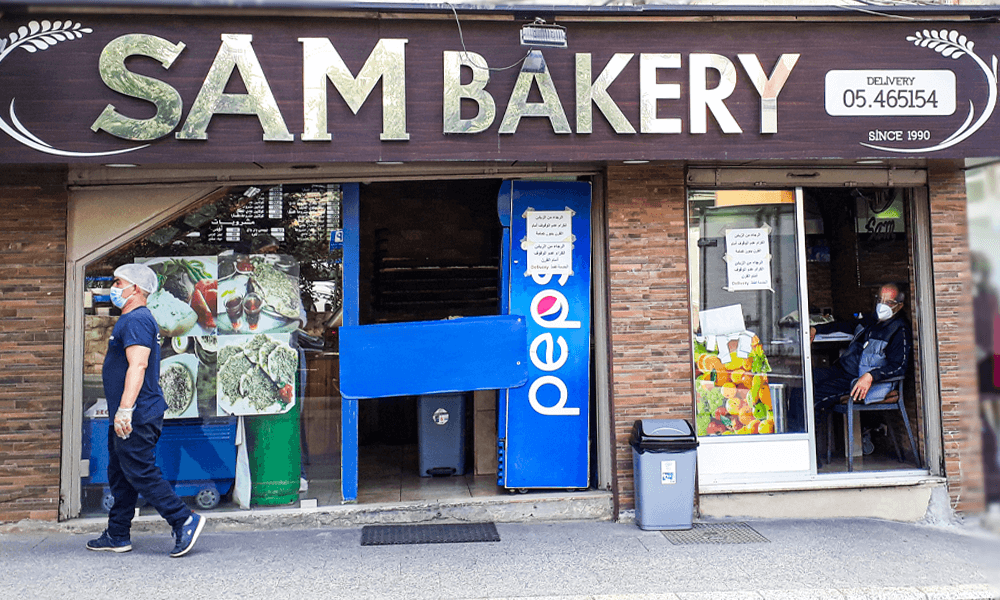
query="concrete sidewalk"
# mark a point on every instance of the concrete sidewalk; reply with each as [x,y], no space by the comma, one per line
[837,558]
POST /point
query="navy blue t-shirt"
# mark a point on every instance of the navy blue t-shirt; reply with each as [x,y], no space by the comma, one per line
[135,328]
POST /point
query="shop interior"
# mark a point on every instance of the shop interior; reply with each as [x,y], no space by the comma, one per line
[857,239]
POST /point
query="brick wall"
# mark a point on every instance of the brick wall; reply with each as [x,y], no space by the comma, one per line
[956,353]
[651,355]
[32,265]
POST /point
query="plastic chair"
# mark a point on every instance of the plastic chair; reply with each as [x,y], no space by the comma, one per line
[892,401]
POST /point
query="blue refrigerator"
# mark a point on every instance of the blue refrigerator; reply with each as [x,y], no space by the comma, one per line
[544,426]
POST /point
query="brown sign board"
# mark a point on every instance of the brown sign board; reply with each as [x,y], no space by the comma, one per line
[215,89]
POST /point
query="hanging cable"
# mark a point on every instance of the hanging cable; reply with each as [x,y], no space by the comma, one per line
[465,51]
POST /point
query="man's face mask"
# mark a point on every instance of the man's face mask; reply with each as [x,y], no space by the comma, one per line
[883,311]
[884,308]
[117,296]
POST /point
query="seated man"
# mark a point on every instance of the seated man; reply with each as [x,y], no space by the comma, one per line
[880,349]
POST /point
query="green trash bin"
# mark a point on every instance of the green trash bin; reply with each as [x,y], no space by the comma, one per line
[274,450]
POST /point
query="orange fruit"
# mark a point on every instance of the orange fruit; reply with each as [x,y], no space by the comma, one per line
[754,426]
[748,379]
[700,363]
[766,426]
[737,376]
[721,377]
[765,395]
[713,363]
[733,406]
[728,390]
[746,415]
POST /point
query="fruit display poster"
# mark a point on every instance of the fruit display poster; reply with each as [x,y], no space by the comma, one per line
[733,396]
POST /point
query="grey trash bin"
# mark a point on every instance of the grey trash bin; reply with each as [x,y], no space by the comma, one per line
[441,434]
[664,456]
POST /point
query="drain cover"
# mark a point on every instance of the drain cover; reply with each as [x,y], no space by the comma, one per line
[388,535]
[716,533]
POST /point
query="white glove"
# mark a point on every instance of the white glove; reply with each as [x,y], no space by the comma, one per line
[123,422]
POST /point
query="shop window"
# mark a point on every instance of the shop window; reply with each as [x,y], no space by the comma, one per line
[745,301]
[248,306]
[766,266]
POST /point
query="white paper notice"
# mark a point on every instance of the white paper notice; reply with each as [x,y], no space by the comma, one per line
[549,225]
[549,242]
[748,259]
[550,258]
[725,320]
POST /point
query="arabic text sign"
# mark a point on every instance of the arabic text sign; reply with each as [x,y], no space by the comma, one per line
[748,259]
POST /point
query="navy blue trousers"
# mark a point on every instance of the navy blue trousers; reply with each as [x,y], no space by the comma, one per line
[829,384]
[132,471]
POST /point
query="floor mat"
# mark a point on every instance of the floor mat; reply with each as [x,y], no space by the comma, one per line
[716,533]
[388,535]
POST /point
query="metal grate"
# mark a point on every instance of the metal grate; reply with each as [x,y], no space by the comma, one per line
[716,533]
[389,535]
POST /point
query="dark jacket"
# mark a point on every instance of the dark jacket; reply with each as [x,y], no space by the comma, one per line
[892,339]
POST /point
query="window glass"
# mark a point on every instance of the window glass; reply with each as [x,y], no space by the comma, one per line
[745,312]
[248,306]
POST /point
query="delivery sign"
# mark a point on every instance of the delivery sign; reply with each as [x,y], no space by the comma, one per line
[545,430]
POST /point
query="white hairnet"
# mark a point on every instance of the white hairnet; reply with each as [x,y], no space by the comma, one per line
[141,275]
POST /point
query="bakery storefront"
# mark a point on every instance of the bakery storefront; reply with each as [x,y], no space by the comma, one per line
[412,254]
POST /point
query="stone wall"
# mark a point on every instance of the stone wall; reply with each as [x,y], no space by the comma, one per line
[32,285]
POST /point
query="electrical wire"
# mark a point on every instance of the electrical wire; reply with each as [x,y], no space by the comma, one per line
[465,51]
[899,3]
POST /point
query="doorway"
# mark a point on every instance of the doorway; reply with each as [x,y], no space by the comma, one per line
[430,251]
[857,240]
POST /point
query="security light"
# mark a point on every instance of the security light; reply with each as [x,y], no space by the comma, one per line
[542,34]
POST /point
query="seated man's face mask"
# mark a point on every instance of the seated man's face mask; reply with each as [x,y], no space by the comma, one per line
[884,308]
[883,311]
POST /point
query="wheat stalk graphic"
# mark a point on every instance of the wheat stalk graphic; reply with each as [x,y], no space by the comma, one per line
[953,45]
[35,37]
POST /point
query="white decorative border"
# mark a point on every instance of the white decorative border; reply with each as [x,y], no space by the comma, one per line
[34,37]
[953,45]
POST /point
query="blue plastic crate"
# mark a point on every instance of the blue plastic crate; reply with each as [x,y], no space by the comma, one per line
[197,458]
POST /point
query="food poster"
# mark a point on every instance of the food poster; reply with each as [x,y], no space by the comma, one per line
[185,303]
[733,397]
[258,293]
[256,374]
[188,376]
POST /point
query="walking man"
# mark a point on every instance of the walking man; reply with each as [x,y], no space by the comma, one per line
[131,376]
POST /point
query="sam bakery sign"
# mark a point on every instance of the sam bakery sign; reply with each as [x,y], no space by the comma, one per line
[186,89]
